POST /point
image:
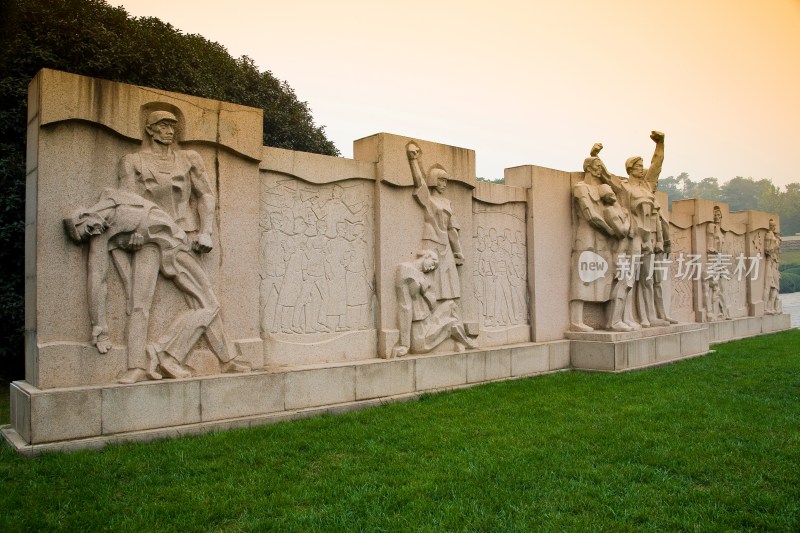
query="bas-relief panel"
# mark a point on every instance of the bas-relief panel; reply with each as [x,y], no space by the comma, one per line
[682,295]
[500,266]
[317,271]
[737,284]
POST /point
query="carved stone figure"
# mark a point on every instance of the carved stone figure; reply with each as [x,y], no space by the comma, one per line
[169,178]
[425,320]
[637,195]
[661,257]
[714,288]
[599,236]
[109,225]
[441,228]
[772,251]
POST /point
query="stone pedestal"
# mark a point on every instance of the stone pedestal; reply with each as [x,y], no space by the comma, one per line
[91,417]
[615,352]
[740,328]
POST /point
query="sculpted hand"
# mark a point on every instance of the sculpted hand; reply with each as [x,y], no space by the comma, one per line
[399,350]
[203,244]
[134,243]
[657,136]
[100,339]
[413,151]
[459,259]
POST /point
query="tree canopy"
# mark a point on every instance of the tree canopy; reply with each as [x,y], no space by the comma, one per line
[740,194]
[92,38]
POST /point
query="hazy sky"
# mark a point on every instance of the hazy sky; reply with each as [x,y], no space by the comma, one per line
[534,82]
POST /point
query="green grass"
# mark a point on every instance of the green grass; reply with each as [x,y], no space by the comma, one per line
[792,256]
[708,444]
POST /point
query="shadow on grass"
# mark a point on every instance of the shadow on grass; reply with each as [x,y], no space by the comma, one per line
[706,443]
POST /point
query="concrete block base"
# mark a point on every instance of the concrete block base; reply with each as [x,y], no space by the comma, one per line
[91,417]
[740,328]
[616,352]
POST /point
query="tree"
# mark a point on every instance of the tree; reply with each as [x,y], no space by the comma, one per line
[91,38]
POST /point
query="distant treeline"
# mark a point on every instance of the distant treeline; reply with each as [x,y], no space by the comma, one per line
[740,194]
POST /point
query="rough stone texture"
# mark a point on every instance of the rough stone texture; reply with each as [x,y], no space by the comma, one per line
[150,405]
[322,386]
[65,415]
[533,359]
[559,355]
[238,396]
[439,372]
[387,378]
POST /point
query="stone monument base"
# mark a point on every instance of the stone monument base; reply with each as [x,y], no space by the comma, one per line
[739,328]
[66,419]
[618,351]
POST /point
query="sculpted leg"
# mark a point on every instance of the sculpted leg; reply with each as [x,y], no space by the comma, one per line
[145,274]
[576,317]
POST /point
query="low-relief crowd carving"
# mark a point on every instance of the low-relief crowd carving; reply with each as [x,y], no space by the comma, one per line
[316,250]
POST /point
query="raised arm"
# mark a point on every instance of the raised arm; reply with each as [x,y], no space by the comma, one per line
[421,193]
[651,177]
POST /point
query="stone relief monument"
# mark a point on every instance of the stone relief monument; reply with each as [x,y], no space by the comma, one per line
[267,284]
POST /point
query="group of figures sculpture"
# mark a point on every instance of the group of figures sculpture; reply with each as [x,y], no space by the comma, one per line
[428,288]
[148,226]
[500,276]
[317,274]
[621,240]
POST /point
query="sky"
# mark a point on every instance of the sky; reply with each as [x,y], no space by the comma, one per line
[537,81]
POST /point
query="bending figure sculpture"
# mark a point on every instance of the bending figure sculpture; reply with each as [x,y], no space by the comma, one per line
[425,321]
[109,225]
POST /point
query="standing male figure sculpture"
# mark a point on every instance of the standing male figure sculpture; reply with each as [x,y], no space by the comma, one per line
[637,195]
[169,178]
[601,228]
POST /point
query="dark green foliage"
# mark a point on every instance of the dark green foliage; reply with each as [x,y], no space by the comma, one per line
[90,37]
[740,194]
[790,277]
[708,444]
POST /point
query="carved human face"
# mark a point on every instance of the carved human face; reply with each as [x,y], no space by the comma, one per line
[162,132]
[772,226]
[637,171]
[91,224]
[441,185]
[596,168]
[717,216]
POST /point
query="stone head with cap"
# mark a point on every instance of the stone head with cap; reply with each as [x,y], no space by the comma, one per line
[634,166]
[161,126]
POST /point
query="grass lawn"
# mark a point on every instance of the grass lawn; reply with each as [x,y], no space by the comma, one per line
[711,443]
[792,256]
